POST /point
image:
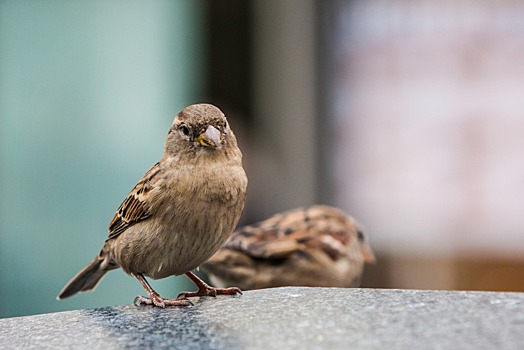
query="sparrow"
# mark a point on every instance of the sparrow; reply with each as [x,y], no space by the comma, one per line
[180,212]
[317,246]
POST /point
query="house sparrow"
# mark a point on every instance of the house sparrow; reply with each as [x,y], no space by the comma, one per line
[314,246]
[180,213]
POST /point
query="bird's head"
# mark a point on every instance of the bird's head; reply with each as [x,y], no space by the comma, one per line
[199,128]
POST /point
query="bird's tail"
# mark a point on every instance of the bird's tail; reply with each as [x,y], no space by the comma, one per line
[88,278]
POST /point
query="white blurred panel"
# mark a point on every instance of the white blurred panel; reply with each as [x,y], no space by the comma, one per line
[428,111]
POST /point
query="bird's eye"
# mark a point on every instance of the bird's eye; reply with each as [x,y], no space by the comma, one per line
[185,129]
[360,235]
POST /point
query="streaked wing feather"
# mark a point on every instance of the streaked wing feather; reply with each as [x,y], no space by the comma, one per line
[134,209]
[317,228]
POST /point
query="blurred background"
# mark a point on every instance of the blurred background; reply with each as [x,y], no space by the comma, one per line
[407,115]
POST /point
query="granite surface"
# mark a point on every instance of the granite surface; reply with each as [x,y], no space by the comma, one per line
[288,318]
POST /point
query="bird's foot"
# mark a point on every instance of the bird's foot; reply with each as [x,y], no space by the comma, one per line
[158,301]
[154,298]
[208,291]
[205,290]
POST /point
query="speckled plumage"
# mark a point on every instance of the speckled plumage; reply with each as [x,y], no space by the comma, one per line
[181,211]
[314,246]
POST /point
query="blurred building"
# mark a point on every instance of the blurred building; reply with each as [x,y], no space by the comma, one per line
[427,115]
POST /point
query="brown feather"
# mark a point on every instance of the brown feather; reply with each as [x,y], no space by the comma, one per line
[134,209]
[313,246]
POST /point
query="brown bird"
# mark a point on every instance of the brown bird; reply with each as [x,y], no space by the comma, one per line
[180,213]
[317,246]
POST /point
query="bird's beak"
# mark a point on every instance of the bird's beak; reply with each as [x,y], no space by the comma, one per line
[367,253]
[210,138]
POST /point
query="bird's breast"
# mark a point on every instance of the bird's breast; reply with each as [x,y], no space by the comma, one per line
[196,213]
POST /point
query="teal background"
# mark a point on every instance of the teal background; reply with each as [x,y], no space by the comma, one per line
[88,90]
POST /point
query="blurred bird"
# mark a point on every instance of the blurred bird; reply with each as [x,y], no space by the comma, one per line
[315,246]
[180,213]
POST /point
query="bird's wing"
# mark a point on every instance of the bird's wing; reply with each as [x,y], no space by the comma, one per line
[274,238]
[134,208]
[312,231]
[261,244]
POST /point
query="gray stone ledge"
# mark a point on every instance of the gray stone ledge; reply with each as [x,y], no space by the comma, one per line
[288,318]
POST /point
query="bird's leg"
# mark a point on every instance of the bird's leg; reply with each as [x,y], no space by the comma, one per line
[205,289]
[154,298]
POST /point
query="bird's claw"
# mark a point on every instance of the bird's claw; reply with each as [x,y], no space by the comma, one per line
[158,301]
[209,292]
